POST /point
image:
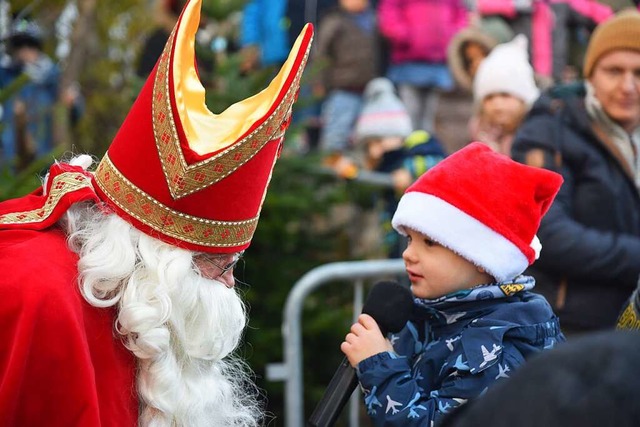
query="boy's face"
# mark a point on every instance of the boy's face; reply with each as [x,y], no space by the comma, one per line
[435,271]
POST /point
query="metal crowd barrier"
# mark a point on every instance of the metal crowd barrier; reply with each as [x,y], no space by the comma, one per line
[290,371]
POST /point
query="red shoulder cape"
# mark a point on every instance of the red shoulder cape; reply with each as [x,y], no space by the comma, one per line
[60,363]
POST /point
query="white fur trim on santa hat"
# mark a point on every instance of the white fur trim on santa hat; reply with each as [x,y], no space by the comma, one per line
[460,232]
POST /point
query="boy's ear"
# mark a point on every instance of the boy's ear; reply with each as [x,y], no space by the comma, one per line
[483,271]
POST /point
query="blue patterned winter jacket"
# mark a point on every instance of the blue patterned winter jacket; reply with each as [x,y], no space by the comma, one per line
[453,349]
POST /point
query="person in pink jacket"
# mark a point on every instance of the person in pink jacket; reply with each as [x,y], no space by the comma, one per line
[418,33]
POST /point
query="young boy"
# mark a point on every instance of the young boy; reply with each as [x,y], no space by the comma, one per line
[471,223]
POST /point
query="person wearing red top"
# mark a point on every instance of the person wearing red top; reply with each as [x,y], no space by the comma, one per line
[117,298]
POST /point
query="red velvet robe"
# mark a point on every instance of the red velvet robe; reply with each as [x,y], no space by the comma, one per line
[61,364]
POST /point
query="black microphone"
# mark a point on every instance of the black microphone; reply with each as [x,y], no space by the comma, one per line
[390,304]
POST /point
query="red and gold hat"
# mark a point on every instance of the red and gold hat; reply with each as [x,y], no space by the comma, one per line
[185,175]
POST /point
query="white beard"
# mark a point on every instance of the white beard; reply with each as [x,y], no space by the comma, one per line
[182,327]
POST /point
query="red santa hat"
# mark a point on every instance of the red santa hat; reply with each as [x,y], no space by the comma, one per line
[483,206]
[176,170]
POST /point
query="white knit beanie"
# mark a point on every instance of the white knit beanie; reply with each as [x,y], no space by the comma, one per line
[507,70]
[383,113]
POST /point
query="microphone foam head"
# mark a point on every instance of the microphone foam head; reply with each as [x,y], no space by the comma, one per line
[390,304]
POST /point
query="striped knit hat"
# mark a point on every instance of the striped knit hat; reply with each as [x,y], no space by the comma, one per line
[383,113]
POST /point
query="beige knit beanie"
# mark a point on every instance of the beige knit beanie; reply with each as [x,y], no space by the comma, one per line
[620,32]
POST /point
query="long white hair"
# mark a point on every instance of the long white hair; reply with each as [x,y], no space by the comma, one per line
[182,328]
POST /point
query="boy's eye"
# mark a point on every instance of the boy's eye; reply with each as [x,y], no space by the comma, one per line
[430,242]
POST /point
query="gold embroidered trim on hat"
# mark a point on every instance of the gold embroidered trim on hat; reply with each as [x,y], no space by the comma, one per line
[183,179]
[62,184]
[188,228]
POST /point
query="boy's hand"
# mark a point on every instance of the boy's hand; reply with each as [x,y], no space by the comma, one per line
[364,340]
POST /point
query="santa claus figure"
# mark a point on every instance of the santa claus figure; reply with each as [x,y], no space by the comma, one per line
[117,298]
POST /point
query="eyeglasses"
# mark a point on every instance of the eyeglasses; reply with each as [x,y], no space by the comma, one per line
[211,265]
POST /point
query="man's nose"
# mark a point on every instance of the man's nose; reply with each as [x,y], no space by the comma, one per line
[630,82]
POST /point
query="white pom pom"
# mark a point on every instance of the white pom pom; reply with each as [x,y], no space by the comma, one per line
[536,246]
[83,160]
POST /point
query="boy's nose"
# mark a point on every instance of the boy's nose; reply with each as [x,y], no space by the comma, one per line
[407,254]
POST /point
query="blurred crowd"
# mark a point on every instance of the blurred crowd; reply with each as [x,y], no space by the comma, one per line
[539,88]
[30,80]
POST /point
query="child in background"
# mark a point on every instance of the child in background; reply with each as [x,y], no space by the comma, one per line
[471,223]
[347,53]
[383,132]
[504,90]
[471,45]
